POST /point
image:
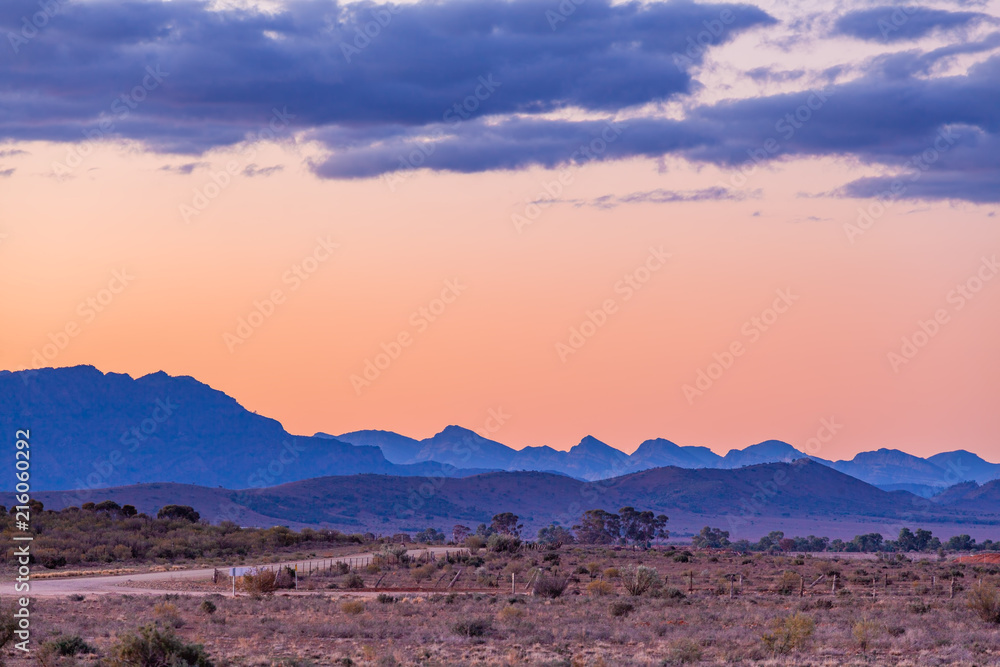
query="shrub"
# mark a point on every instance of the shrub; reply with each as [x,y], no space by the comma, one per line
[385,598]
[598,588]
[984,600]
[423,572]
[352,607]
[620,608]
[473,627]
[149,647]
[474,543]
[258,583]
[354,581]
[8,625]
[207,607]
[789,582]
[641,579]
[685,651]
[790,633]
[510,614]
[503,543]
[168,613]
[865,632]
[550,587]
[673,593]
[612,573]
[71,645]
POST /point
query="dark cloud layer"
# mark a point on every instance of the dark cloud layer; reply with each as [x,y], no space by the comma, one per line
[893,23]
[364,65]
[469,85]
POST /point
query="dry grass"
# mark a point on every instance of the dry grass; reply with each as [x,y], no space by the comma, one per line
[687,620]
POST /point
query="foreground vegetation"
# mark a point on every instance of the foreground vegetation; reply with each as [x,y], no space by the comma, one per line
[577,606]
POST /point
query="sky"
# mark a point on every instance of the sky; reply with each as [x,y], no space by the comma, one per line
[709,222]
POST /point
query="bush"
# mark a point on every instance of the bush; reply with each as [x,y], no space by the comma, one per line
[503,543]
[168,614]
[550,587]
[599,588]
[685,651]
[984,600]
[353,607]
[207,607]
[641,579]
[865,632]
[258,583]
[385,598]
[620,608]
[790,633]
[71,645]
[475,627]
[789,582]
[510,614]
[8,625]
[423,572]
[354,581]
[149,647]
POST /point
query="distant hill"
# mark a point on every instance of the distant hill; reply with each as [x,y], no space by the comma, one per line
[749,501]
[91,429]
[961,466]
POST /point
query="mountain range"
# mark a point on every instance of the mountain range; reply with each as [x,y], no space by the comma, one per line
[94,430]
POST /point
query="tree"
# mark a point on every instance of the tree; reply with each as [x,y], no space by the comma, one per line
[429,536]
[459,533]
[506,523]
[641,528]
[961,543]
[598,527]
[555,535]
[130,511]
[711,538]
[185,512]
[109,506]
[868,542]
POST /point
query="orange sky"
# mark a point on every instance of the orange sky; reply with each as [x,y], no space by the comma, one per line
[495,345]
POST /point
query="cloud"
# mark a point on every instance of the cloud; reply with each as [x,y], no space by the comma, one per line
[223,71]
[7,172]
[254,170]
[893,23]
[469,86]
[662,196]
[186,168]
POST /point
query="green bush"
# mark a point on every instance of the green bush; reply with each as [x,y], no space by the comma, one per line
[620,608]
[473,627]
[790,633]
[150,647]
[71,645]
[639,580]
[984,600]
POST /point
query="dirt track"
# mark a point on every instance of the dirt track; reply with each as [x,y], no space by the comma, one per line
[118,584]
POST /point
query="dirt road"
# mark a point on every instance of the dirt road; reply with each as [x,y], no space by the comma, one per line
[119,584]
